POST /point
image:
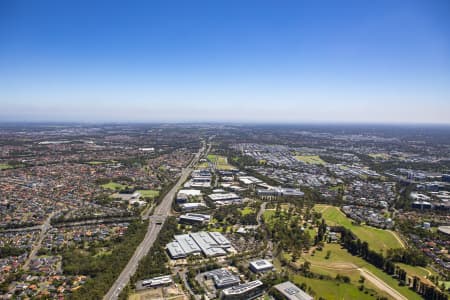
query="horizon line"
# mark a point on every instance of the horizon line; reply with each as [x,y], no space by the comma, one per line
[236,123]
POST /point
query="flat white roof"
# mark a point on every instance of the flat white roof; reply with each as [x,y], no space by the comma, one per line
[190,192]
[242,288]
[222,197]
[261,264]
[292,292]
[188,245]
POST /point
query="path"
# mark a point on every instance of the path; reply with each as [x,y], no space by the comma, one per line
[369,276]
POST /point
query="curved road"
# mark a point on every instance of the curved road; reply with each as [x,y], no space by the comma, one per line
[160,214]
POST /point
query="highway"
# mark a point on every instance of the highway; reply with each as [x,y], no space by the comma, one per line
[155,224]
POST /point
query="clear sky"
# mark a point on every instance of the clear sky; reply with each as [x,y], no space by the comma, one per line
[243,61]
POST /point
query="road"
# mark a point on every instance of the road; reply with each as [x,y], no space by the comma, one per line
[261,211]
[159,216]
[44,227]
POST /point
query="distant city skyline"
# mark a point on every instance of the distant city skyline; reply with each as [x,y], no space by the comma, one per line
[225,61]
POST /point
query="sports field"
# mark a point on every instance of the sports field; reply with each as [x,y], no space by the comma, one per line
[220,162]
[310,159]
[378,239]
[113,186]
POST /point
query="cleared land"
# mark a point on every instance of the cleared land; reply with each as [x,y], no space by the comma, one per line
[310,159]
[378,239]
[220,162]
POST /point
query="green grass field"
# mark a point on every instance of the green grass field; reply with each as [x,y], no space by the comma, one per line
[149,193]
[95,163]
[203,165]
[113,186]
[338,263]
[220,161]
[378,239]
[332,290]
[269,217]
[5,166]
[246,211]
[310,159]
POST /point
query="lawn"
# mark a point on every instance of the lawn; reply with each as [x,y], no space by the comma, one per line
[246,211]
[203,165]
[113,186]
[220,161]
[332,290]
[338,263]
[95,163]
[268,217]
[5,166]
[149,193]
[310,159]
[378,239]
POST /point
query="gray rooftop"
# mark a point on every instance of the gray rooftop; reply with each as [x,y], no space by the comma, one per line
[292,292]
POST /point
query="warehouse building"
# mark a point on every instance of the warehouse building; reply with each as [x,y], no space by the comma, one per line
[183,246]
[210,247]
[225,198]
[211,244]
[192,206]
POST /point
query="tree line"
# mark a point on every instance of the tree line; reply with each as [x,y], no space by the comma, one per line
[357,247]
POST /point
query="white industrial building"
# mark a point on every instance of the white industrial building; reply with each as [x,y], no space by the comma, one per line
[245,291]
[192,218]
[211,244]
[292,292]
[260,265]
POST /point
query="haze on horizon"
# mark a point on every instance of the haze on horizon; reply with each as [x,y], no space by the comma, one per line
[235,61]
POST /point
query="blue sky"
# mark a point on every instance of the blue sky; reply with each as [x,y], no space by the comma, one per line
[240,61]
